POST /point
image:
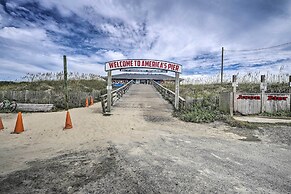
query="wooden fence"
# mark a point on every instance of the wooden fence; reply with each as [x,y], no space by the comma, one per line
[76,98]
[115,95]
[254,103]
[169,95]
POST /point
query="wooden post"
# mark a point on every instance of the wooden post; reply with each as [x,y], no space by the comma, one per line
[290,90]
[177,87]
[103,105]
[233,100]
[263,88]
[109,88]
[231,97]
[66,82]
[221,76]
[234,83]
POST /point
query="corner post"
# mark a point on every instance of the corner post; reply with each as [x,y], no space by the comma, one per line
[263,88]
[109,88]
[233,100]
[290,90]
[177,87]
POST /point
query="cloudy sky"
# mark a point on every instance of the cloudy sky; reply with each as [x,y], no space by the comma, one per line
[35,34]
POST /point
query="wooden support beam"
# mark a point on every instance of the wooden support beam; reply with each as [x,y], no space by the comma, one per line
[109,88]
[177,88]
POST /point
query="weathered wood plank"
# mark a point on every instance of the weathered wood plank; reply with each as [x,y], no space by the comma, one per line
[34,107]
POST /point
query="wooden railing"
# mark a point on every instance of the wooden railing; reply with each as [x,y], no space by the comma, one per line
[169,95]
[115,95]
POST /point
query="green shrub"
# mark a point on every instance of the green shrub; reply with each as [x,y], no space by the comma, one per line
[203,111]
[200,116]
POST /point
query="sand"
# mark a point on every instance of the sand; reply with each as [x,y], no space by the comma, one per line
[140,148]
[133,119]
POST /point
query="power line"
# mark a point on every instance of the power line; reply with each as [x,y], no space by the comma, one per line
[258,49]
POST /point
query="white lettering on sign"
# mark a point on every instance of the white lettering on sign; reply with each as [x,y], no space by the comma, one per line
[143,63]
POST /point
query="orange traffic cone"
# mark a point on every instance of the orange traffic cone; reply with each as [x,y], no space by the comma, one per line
[91,101]
[19,124]
[1,124]
[87,103]
[68,124]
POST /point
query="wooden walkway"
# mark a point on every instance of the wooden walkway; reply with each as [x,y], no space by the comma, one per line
[143,100]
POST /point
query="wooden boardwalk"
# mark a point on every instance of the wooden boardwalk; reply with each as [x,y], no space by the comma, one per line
[143,100]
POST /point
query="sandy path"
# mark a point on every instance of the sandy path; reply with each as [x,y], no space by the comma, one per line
[253,119]
[140,148]
[134,118]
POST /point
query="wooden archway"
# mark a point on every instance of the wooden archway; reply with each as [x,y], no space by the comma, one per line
[142,64]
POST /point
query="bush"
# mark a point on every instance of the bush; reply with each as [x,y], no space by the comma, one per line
[204,111]
[200,116]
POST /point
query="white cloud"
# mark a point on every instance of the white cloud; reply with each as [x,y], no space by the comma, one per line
[24,35]
[167,30]
[112,55]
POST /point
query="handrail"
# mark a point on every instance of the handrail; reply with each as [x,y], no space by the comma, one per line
[115,95]
[169,95]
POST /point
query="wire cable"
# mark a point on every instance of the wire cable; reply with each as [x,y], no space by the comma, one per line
[258,49]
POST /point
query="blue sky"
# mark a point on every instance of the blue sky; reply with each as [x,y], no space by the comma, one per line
[35,34]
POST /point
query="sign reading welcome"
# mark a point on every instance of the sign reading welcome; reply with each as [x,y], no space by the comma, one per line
[143,63]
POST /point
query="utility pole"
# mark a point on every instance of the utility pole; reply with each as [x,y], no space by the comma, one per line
[66,81]
[221,76]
